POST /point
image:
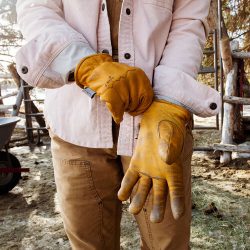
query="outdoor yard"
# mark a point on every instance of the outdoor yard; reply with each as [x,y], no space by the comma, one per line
[29,213]
[29,216]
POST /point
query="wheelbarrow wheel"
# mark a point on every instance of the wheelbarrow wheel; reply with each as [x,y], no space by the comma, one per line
[8,180]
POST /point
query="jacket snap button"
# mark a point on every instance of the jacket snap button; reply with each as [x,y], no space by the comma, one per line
[128,11]
[213,106]
[24,70]
[103,6]
[71,77]
[105,51]
[127,56]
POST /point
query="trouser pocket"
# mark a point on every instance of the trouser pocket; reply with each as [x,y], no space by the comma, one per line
[80,205]
[87,182]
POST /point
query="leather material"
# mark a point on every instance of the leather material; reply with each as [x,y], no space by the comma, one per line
[156,163]
[123,88]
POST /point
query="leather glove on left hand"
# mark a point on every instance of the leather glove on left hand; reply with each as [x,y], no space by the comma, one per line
[123,88]
[156,161]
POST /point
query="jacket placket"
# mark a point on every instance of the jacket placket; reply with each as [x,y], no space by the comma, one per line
[104,119]
[126,55]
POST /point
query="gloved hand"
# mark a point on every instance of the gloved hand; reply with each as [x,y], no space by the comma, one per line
[123,88]
[156,161]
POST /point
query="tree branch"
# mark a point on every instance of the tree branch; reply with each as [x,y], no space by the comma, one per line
[242,34]
[1,54]
[6,61]
[10,45]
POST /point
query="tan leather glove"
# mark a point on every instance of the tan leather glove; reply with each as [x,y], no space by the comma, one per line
[123,88]
[156,161]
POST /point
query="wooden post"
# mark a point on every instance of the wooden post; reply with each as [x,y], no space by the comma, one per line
[241,148]
[28,111]
[237,100]
[14,74]
[241,55]
[228,119]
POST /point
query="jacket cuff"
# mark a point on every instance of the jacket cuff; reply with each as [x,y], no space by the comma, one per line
[178,87]
[65,63]
[49,68]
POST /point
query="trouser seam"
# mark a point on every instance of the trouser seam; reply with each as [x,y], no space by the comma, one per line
[99,201]
[148,228]
[100,204]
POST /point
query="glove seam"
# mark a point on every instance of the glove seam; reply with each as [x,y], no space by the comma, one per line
[152,177]
[183,135]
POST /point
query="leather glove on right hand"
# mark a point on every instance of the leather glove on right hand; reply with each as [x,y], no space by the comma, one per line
[123,88]
[156,162]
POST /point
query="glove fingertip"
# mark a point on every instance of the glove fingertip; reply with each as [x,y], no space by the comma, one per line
[122,195]
[116,116]
[178,214]
[134,209]
[178,208]
[117,120]
[156,217]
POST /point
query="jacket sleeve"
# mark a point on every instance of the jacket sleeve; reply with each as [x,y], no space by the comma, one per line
[52,46]
[174,77]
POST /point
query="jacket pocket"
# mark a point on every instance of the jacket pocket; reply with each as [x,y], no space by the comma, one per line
[168,4]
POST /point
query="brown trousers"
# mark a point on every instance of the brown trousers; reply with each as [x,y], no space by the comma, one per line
[87,182]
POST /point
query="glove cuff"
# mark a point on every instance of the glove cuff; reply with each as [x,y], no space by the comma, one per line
[186,114]
[87,65]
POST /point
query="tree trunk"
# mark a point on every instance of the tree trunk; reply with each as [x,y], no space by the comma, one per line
[225,50]
[213,15]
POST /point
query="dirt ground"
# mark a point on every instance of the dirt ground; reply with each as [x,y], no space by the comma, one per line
[30,219]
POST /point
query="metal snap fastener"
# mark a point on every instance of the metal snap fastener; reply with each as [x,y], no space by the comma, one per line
[128,11]
[105,51]
[127,56]
[71,77]
[103,6]
[24,70]
[213,106]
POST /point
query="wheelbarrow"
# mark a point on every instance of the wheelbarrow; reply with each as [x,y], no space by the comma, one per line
[10,167]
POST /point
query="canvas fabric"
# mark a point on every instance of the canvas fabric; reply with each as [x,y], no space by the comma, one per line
[163,38]
[87,183]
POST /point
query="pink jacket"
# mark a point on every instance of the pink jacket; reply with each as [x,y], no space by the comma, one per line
[163,37]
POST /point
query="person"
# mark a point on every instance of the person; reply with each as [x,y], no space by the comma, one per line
[120,93]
